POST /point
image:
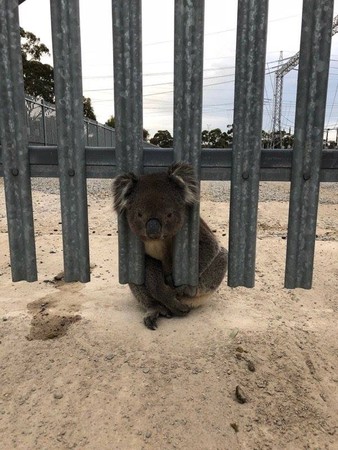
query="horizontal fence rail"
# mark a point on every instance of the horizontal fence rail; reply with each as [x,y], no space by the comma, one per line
[216,164]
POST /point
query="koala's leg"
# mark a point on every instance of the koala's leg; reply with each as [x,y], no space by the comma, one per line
[153,308]
[213,275]
[159,290]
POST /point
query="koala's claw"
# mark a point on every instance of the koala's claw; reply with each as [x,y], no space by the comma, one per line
[150,321]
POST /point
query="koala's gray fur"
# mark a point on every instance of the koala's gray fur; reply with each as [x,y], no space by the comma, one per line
[156,208]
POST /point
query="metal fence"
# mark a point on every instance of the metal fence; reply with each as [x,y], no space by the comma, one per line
[245,164]
[41,126]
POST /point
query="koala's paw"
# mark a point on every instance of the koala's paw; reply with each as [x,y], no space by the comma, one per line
[150,320]
[186,291]
[151,316]
[181,309]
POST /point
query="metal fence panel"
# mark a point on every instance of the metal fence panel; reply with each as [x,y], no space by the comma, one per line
[188,89]
[249,90]
[71,147]
[314,63]
[128,122]
[15,158]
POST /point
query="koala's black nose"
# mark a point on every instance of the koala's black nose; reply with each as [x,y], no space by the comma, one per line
[153,228]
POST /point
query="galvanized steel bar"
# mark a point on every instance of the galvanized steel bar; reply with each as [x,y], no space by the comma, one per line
[249,90]
[313,72]
[188,91]
[127,40]
[15,158]
[70,136]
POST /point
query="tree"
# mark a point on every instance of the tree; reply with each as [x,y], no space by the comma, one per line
[162,139]
[111,123]
[39,77]
[205,139]
[88,110]
[215,138]
[146,135]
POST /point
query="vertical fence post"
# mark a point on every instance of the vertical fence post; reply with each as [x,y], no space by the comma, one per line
[249,90]
[127,42]
[43,112]
[188,90]
[15,159]
[314,60]
[70,132]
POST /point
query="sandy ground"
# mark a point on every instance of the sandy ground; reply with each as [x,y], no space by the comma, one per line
[79,370]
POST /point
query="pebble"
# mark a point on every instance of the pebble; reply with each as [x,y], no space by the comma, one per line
[240,396]
[58,395]
[217,191]
[251,366]
[109,357]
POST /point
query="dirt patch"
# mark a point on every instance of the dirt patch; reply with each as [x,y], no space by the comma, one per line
[46,325]
[253,369]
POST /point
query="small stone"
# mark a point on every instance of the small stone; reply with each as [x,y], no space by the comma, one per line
[240,396]
[109,357]
[251,366]
[58,395]
[148,434]
[235,427]
[146,369]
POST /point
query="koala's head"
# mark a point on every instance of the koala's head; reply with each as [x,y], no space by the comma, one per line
[156,204]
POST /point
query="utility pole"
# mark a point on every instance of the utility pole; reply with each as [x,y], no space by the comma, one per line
[282,70]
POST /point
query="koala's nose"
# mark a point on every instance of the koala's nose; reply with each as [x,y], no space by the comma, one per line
[153,228]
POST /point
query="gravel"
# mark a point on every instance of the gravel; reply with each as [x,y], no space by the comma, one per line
[216,191]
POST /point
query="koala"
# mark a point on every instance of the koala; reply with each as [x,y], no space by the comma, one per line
[156,207]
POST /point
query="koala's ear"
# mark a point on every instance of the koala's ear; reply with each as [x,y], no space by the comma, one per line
[122,188]
[183,175]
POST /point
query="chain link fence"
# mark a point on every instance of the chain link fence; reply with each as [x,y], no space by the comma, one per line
[41,126]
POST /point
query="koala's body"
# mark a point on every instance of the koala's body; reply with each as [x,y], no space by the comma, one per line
[156,207]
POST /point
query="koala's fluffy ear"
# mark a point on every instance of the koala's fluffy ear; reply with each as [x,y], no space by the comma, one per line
[183,175]
[122,188]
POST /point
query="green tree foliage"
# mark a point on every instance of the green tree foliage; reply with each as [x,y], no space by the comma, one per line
[88,110]
[162,139]
[215,138]
[146,135]
[39,77]
[277,140]
[111,123]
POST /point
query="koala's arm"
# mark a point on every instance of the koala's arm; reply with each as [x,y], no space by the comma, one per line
[213,260]
[158,290]
[209,247]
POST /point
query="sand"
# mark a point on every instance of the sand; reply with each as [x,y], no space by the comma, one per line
[78,369]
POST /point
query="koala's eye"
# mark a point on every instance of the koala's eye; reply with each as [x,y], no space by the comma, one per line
[139,214]
[169,215]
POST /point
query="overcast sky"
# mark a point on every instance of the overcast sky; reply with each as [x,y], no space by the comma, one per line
[219,59]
